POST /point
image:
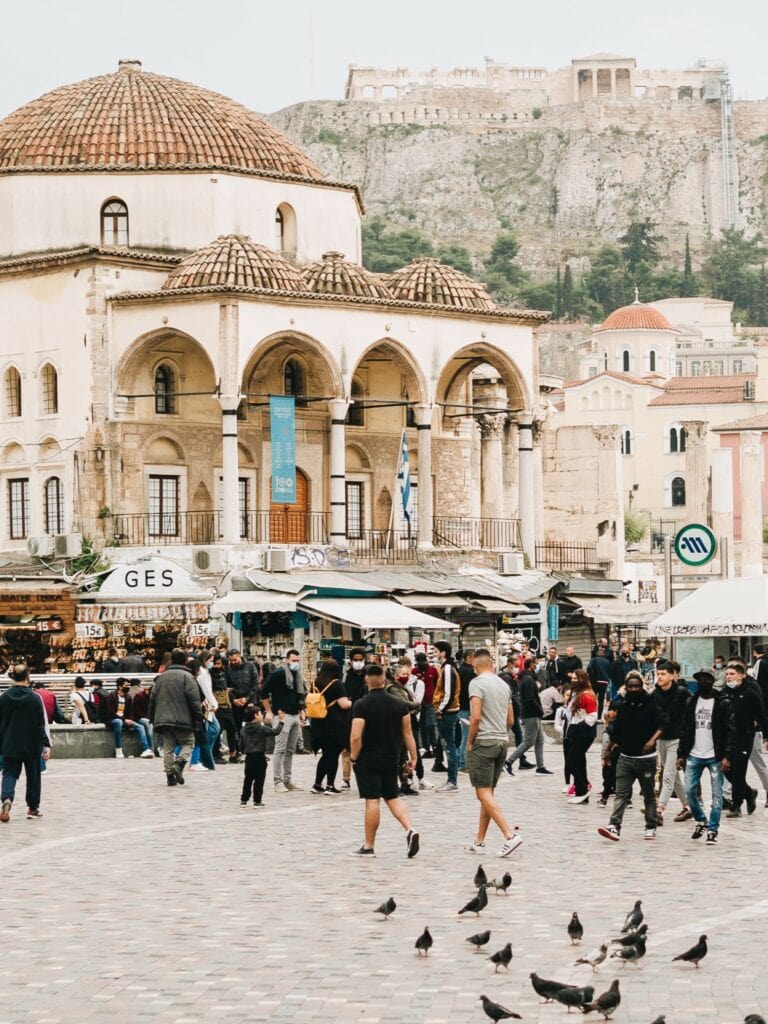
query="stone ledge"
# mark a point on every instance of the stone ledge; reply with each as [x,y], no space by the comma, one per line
[76,741]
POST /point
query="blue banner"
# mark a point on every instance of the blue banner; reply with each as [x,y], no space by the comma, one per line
[282,425]
[553,622]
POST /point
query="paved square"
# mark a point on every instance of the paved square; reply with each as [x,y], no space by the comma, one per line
[133,901]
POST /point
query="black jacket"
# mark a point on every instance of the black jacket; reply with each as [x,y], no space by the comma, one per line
[258,737]
[621,668]
[723,729]
[354,684]
[243,681]
[599,670]
[22,723]
[748,711]
[637,719]
[281,695]
[671,704]
[530,702]
[761,675]
[569,664]
[466,675]
[131,664]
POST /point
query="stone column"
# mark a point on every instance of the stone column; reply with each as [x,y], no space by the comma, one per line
[610,488]
[613,83]
[751,503]
[491,464]
[696,483]
[230,502]
[526,503]
[338,465]
[425,504]
[722,504]
[538,480]
[594,83]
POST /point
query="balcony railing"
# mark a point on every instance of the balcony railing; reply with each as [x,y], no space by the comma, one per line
[385,546]
[268,527]
[569,557]
[467,533]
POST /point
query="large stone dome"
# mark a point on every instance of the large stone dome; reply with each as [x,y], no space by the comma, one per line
[135,120]
[333,275]
[429,280]
[234,261]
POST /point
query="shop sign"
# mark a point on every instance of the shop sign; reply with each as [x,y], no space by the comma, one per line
[49,625]
[201,629]
[89,630]
[150,578]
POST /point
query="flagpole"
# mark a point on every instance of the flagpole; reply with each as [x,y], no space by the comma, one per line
[395,491]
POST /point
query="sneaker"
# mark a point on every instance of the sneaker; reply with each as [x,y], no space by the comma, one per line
[525,765]
[412,842]
[5,813]
[294,787]
[331,790]
[602,802]
[119,753]
[280,787]
[510,845]
[508,767]
[699,831]
[571,791]
[447,787]
[146,753]
[346,784]
[476,847]
[684,815]
[711,838]
[609,832]
[566,790]
[364,851]
[36,813]
[170,778]
[243,803]
[734,813]
[751,800]
[544,771]
[258,803]
[579,799]
[313,789]
[216,760]
[196,768]
[439,768]
[650,833]
[426,784]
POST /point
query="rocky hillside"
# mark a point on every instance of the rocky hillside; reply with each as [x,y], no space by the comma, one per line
[563,183]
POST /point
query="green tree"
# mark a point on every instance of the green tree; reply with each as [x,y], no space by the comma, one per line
[386,249]
[640,245]
[730,269]
[503,276]
[539,295]
[605,284]
[688,284]
[759,310]
[567,295]
[557,305]
[457,256]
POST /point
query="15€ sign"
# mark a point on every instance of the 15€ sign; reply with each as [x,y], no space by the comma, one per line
[695,544]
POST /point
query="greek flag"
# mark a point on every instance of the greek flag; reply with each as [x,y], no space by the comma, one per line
[404,478]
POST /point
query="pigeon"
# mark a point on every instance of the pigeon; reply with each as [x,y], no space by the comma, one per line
[496,1011]
[607,1002]
[661,1019]
[631,937]
[633,919]
[695,954]
[630,954]
[503,884]
[571,996]
[752,1018]
[595,958]
[477,903]
[480,877]
[479,940]
[546,989]
[387,908]
[502,958]
[424,942]
[575,929]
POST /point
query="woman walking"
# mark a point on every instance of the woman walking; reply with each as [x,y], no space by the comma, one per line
[329,734]
[580,732]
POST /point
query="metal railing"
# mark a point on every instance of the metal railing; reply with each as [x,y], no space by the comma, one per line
[467,533]
[385,546]
[275,526]
[569,557]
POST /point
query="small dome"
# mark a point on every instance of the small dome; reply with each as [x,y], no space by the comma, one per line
[134,120]
[333,275]
[234,261]
[637,317]
[429,280]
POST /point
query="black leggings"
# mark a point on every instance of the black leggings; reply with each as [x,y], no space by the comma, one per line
[227,722]
[737,774]
[328,764]
[579,739]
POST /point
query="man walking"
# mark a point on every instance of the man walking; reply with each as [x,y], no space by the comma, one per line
[381,726]
[670,696]
[748,715]
[553,667]
[285,690]
[176,713]
[243,684]
[759,672]
[491,716]
[466,675]
[531,713]
[621,668]
[599,672]
[570,663]
[446,703]
[635,730]
[707,742]
[23,739]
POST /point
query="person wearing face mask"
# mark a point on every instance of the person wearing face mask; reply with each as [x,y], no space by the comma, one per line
[718,671]
[707,743]
[286,691]
[399,688]
[354,687]
[671,697]
[748,718]
[634,731]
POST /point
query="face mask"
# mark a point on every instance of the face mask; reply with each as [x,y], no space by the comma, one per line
[403,679]
[358,665]
[732,684]
[293,666]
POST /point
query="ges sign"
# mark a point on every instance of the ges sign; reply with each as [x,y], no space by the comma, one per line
[150,579]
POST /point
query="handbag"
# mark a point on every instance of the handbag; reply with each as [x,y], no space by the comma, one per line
[314,702]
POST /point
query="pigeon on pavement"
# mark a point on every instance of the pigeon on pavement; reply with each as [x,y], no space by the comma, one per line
[477,903]
[754,1018]
[424,942]
[607,1002]
[631,937]
[545,988]
[496,1011]
[595,958]
[634,918]
[479,940]
[502,958]
[387,908]
[630,954]
[480,877]
[571,996]
[661,1019]
[502,884]
[575,929]
[695,954]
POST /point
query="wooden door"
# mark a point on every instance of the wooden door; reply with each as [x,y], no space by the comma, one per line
[288,523]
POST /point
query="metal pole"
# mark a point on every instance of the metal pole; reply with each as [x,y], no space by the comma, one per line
[668,585]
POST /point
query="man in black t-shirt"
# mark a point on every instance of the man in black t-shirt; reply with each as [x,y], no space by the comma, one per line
[381,724]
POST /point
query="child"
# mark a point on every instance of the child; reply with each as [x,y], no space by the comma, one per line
[254,736]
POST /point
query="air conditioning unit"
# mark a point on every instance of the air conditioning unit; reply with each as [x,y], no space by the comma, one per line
[277,560]
[209,559]
[511,563]
[68,545]
[40,547]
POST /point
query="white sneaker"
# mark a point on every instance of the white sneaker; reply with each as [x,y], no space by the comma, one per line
[119,753]
[280,787]
[447,787]
[425,784]
[510,845]
[197,768]
[566,790]
[147,753]
[476,847]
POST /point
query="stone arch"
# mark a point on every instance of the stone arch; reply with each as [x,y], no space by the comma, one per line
[357,458]
[455,373]
[162,449]
[402,358]
[263,370]
[383,510]
[245,455]
[13,453]
[194,368]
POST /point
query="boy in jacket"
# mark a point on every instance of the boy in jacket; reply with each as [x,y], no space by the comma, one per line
[707,741]
[255,735]
[671,697]
[748,715]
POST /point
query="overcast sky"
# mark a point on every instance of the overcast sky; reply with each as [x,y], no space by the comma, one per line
[270,54]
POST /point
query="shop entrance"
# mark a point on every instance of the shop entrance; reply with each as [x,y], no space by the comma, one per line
[288,524]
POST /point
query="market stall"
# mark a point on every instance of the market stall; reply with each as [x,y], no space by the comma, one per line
[37,624]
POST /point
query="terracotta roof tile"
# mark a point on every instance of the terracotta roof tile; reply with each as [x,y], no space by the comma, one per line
[720,390]
[627,378]
[637,317]
[333,275]
[234,261]
[759,422]
[429,280]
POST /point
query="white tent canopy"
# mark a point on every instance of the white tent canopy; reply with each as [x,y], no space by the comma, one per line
[736,607]
[372,613]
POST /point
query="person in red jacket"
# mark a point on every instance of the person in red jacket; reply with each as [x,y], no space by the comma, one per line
[427,722]
[51,705]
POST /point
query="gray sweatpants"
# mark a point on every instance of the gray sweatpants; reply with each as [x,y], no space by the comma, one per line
[533,736]
[285,748]
[671,779]
[172,738]
[628,769]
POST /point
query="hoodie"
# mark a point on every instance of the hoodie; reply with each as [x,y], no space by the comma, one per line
[22,724]
[637,719]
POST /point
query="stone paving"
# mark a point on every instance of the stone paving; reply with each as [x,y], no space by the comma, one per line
[133,901]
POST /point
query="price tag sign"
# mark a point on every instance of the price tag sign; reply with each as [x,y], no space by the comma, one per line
[89,630]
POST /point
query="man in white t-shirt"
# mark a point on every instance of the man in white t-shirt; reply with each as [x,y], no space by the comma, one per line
[490,718]
[707,742]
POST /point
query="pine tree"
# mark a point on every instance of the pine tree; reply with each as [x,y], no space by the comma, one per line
[557,310]
[567,292]
[689,284]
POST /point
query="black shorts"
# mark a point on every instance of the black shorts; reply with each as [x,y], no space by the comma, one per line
[378,778]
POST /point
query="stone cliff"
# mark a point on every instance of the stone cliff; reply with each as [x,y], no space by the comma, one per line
[565,180]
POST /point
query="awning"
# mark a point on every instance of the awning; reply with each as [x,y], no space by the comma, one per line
[254,601]
[431,600]
[737,607]
[371,613]
[615,610]
[499,607]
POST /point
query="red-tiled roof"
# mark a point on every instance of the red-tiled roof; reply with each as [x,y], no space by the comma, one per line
[720,390]
[637,317]
[628,378]
[759,422]
[333,275]
[235,261]
[429,280]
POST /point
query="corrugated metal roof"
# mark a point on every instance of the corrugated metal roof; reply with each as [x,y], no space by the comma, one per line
[576,585]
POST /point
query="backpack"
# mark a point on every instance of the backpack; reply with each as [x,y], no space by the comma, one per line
[314,702]
[90,707]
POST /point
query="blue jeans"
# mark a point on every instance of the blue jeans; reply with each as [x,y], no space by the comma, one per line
[464,726]
[204,755]
[694,769]
[448,736]
[117,728]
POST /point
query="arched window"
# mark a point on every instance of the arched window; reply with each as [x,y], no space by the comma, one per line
[114,223]
[53,505]
[683,436]
[294,381]
[285,230]
[356,413]
[673,440]
[49,390]
[678,492]
[626,442]
[12,393]
[605,360]
[625,360]
[165,390]
[652,361]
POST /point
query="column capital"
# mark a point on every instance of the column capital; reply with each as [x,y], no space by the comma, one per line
[229,403]
[338,408]
[751,442]
[607,436]
[524,420]
[491,424]
[423,414]
[695,431]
